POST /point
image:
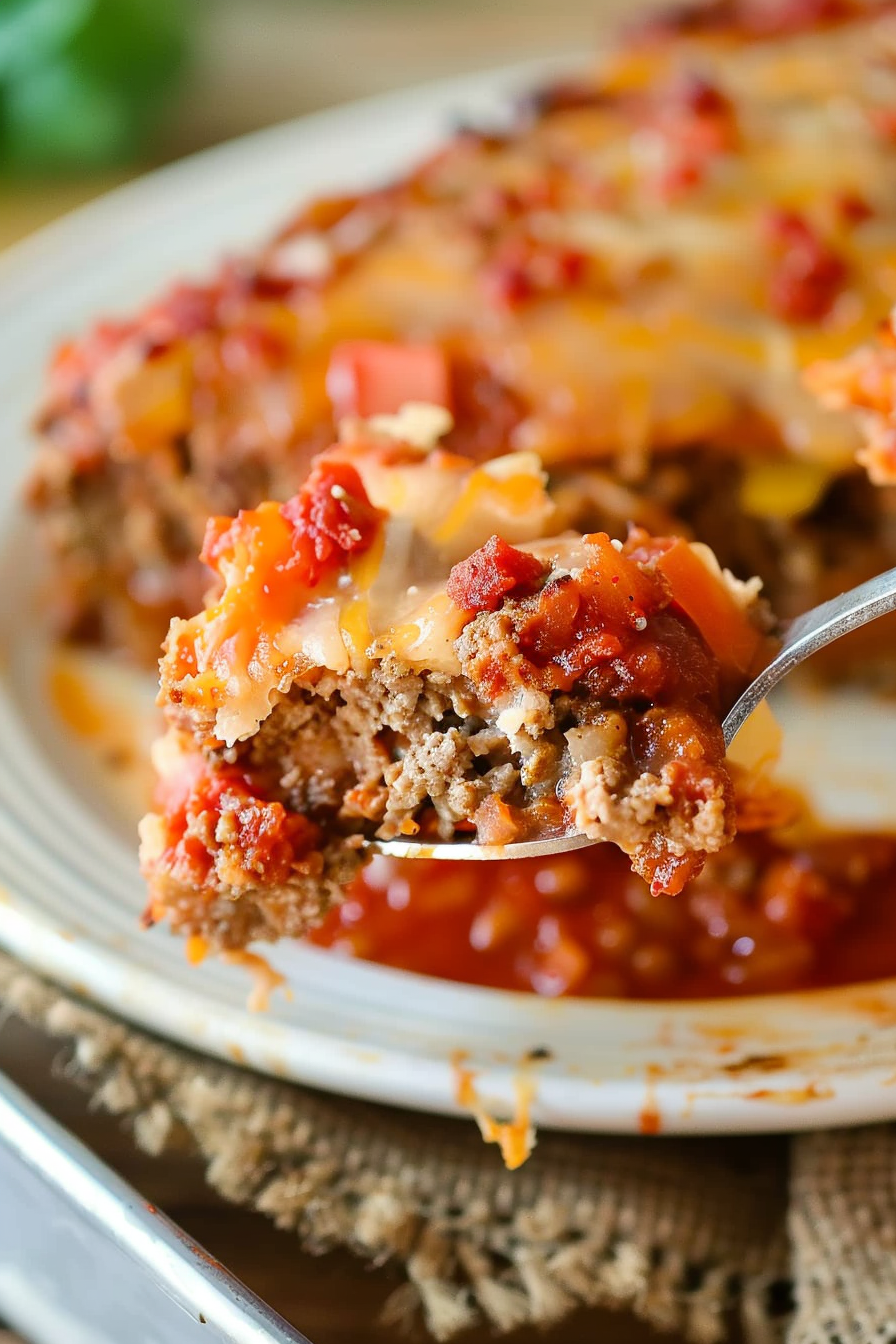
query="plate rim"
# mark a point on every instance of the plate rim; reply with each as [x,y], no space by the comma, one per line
[100,973]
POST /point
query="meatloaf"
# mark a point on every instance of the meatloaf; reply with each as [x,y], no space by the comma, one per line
[405,648]
[627,278]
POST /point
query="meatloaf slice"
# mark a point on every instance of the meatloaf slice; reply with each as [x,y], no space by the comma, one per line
[568,285]
[403,649]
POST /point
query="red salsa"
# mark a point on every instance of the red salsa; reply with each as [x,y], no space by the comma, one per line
[760,918]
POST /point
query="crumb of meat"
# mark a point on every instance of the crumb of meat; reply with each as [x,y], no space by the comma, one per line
[315,777]
[230,918]
[607,803]
[237,903]
[441,769]
[491,638]
[355,754]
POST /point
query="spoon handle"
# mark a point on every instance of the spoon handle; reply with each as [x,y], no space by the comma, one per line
[811,632]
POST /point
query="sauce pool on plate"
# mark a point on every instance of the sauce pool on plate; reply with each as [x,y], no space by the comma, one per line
[761,918]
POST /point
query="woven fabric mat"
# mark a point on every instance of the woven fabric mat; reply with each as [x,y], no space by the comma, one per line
[687,1233]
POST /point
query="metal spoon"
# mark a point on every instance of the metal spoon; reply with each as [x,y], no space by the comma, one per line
[805,636]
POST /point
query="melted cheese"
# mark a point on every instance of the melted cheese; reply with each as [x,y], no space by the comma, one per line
[265,629]
[515,1137]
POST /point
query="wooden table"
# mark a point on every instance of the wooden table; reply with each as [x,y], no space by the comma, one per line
[260,62]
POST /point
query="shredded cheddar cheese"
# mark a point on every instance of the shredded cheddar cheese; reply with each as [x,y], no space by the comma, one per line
[515,1137]
[265,978]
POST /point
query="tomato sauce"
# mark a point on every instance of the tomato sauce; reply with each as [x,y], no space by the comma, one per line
[760,918]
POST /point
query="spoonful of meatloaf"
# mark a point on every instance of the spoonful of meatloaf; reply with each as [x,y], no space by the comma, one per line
[404,658]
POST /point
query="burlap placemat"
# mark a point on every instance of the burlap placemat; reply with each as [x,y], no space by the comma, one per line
[687,1233]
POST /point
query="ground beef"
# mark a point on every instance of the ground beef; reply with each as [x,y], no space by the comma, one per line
[380,748]
[651,781]
[230,918]
[231,863]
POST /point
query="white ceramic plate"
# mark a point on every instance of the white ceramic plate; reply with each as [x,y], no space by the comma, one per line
[71,892]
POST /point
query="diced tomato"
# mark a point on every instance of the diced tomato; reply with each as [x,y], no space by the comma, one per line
[484,579]
[807,275]
[551,627]
[486,411]
[379,377]
[565,636]
[622,591]
[332,518]
[853,209]
[591,647]
[728,631]
[522,269]
[329,520]
[575,626]
[258,539]
[667,874]
[267,839]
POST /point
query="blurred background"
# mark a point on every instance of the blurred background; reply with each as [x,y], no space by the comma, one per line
[93,92]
